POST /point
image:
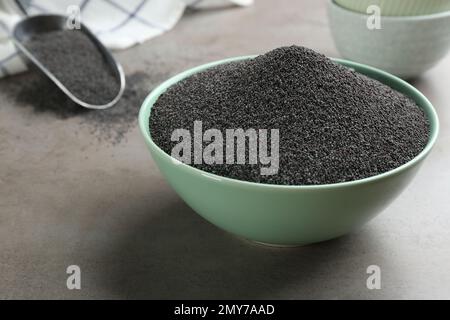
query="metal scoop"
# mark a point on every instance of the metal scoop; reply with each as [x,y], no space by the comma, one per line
[31,26]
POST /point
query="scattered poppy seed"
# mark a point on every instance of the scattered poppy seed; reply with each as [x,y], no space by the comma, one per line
[335,124]
[111,125]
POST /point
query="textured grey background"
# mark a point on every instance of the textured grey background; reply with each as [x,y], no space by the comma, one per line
[67,198]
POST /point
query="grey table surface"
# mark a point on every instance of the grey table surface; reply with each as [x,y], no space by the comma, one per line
[72,199]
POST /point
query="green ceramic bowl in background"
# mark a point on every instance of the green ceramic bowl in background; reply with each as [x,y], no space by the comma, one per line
[286,215]
[398,7]
[404,46]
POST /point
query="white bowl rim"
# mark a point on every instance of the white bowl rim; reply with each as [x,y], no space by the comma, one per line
[431,16]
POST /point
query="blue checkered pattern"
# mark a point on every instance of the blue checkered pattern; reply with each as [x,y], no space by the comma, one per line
[118,24]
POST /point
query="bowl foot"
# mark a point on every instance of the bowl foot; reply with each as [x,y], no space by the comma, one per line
[274,245]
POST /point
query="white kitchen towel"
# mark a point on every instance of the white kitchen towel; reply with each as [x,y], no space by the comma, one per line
[118,24]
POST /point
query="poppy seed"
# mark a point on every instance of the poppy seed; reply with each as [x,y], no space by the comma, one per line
[335,124]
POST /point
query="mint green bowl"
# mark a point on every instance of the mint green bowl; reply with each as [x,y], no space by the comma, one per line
[286,215]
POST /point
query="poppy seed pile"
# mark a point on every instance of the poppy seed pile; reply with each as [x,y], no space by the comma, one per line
[335,125]
[77,63]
